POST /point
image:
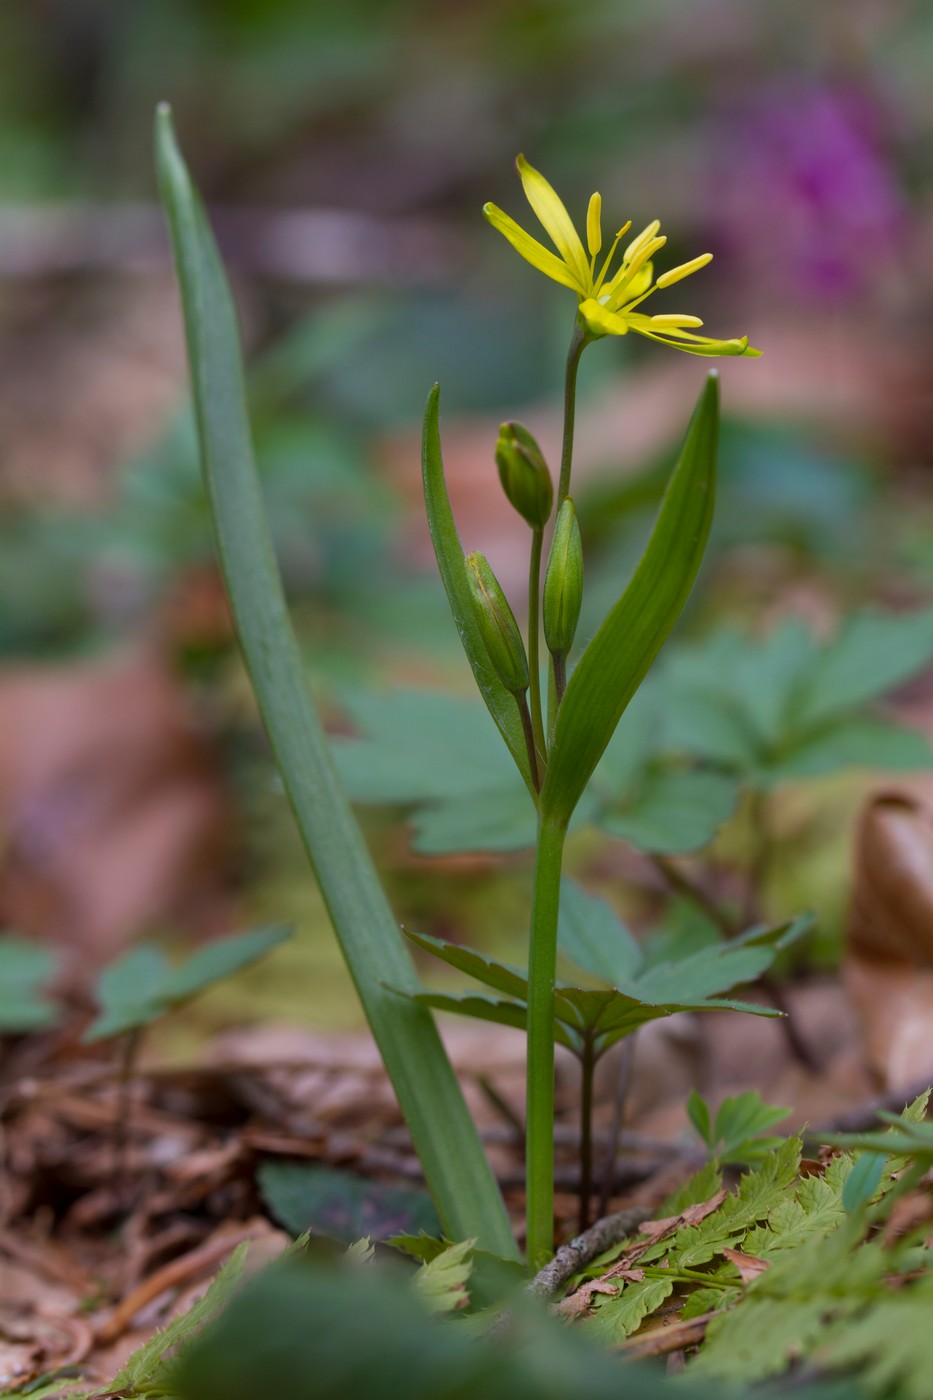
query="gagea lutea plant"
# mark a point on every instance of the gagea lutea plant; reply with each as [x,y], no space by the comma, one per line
[555,742]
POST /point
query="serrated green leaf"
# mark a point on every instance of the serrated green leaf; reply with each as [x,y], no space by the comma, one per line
[740,1118]
[147,1368]
[449,553]
[617,1318]
[593,937]
[619,655]
[441,1282]
[501,976]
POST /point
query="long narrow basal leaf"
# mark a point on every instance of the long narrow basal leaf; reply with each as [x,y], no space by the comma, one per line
[619,655]
[449,552]
[445,1138]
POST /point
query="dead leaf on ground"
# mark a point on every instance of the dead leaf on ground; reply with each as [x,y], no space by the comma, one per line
[111,805]
[748,1266]
[888,965]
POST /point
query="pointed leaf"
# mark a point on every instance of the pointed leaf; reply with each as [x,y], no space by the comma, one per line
[620,654]
[445,1138]
[449,552]
[501,976]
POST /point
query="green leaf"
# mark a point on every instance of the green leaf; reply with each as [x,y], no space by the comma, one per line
[863,1181]
[220,959]
[674,811]
[740,1120]
[129,993]
[441,1282]
[853,742]
[617,1318]
[698,1113]
[593,937]
[141,986]
[498,820]
[419,746]
[620,654]
[449,553]
[502,976]
[148,1365]
[304,1196]
[871,654]
[444,1136]
[25,968]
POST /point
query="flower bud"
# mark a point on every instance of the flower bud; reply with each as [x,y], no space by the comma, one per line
[497,625]
[563,582]
[524,474]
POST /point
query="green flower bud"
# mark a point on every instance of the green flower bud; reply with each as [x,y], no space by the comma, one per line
[563,582]
[497,625]
[524,474]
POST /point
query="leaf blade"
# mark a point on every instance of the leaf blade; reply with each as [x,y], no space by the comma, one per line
[620,654]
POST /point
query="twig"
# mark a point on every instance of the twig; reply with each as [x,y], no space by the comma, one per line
[664,1340]
[573,1257]
[682,883]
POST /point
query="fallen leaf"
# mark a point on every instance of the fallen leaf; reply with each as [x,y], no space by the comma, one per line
[748,1266]
[888,967]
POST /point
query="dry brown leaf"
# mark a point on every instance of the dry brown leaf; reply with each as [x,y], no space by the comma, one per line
[691,1216]
[112,810]
[748,1266]
[889,956]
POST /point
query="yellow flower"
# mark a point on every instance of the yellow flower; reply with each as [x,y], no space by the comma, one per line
[607,300]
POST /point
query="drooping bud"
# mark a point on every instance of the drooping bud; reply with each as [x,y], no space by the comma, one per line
[524,474]
[563,582]
[497,625]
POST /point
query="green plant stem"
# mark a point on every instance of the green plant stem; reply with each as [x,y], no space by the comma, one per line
[559,662]
[587,1065]
[534,628]
[539,1118]
[578,341]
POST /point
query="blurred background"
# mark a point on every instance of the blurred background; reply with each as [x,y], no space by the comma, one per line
[345,151]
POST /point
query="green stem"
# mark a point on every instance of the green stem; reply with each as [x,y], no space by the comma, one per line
[539,1119]
[587,1065]
[534,665]
[578,341]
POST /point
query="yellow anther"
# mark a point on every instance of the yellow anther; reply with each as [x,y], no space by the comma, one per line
[674,322]
[667,279]
[594,229]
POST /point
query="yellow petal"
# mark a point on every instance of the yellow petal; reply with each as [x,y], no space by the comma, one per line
[599,321]
[550,209]
[531,250]
[594,229]
[619,289]
[667,279]
[692,344]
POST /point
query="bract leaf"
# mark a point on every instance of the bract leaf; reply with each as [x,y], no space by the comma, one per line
[619,655]
[449,553]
